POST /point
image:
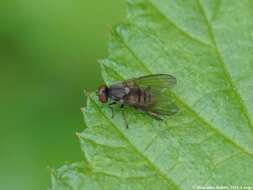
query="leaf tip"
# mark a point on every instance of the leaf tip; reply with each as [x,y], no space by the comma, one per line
[51,170]
[101,61]
[78,135]
[86,93]
[82,109]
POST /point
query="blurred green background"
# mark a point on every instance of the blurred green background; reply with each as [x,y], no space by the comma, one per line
[48,55]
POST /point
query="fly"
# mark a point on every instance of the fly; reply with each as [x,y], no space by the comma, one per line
[147,93]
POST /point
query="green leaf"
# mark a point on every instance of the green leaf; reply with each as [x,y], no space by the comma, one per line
[208,46]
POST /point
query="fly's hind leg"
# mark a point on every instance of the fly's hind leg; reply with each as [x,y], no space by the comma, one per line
[155,115]
[124,116]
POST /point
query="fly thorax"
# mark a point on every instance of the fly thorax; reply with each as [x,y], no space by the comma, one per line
[127,90]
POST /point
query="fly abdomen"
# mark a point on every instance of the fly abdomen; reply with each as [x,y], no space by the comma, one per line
[143,100]
[144,97]
[147,97]
[138,97]
[139,94]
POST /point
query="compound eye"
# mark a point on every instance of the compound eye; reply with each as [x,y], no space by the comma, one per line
[103,98]
[102,95]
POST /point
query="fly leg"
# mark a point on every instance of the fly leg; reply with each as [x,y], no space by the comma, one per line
[155,115]
[111,107]
[124,116]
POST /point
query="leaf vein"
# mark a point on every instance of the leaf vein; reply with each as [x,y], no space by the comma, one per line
[223,66]
[178,27]
[228,139]
[152,165]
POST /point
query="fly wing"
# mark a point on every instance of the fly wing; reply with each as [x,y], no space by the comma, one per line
[159,86]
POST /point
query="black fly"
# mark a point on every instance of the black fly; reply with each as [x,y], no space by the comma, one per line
[146,93]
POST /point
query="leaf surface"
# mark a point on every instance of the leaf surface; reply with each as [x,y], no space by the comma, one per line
[208,46]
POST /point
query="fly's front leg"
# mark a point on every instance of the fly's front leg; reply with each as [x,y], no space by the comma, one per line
[123,113]
[111,107]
